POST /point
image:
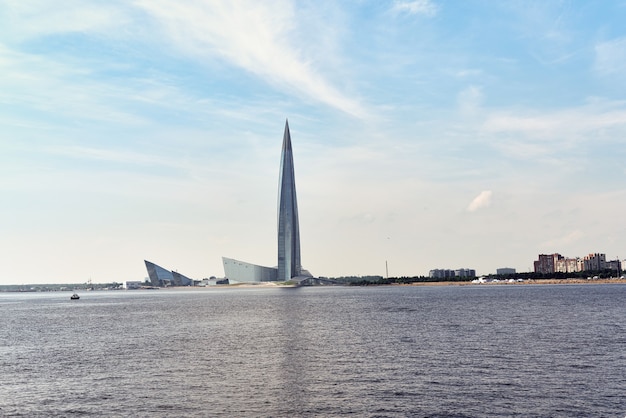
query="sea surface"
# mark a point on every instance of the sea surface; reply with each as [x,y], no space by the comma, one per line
[389,351]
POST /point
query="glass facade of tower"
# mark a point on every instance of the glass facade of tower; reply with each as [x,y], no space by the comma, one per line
[288,228]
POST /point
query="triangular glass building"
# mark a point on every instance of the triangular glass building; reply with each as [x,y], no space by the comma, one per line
[160,276]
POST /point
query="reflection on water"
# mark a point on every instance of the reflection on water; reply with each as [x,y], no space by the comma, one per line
[384,351]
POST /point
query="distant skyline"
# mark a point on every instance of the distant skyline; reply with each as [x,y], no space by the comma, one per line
[427,134]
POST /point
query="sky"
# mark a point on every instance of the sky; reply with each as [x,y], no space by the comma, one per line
[426,134]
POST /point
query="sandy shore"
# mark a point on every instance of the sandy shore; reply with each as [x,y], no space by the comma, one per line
[576,281]
[525,282]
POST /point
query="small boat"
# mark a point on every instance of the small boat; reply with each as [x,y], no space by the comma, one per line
[74,297]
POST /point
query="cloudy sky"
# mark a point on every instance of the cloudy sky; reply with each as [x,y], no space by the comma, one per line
[427,134]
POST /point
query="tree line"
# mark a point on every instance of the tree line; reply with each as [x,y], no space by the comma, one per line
[380,280]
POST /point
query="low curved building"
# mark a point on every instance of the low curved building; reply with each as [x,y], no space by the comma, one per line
[246,272]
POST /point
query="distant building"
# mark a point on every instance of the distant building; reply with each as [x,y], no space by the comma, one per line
[568,265]
[594,262]
[614,265]
[465,273]
[441,273]
[447,273]
[545,264]
[505,270]
[556,263]
[598,262]
[212,281]
[132,284]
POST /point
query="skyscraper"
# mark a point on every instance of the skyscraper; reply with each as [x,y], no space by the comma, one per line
[289,265]
[288,228]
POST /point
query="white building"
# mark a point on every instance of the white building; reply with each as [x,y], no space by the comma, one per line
[130,284]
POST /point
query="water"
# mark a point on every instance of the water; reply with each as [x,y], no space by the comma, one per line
[427,351]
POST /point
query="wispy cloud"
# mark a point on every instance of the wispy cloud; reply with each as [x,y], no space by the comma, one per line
[254,36]
[572,123]
[554,137]
[416,7]
[262,38]
[611,57]
[481,201]
[37,18]
[59,89]
[564,241]
[466,72]
[116,156]
[548,29]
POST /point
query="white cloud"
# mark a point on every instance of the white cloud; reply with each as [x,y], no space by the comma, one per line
[421,7]
[483,200]
[611,57]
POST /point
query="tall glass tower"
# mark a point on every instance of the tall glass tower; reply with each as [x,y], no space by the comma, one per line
[288,229]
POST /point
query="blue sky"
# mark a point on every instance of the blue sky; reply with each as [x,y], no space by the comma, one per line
[428,134]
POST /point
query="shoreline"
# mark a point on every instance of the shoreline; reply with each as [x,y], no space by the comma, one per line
[525,282]
[276,285]
[500,283]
